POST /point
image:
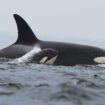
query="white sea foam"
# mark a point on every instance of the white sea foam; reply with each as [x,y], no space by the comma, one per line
[101,65]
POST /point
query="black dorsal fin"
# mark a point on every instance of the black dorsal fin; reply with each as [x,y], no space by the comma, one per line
[25,34]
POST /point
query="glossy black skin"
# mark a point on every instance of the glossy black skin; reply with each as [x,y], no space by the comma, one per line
[73,54]
[15,51]
[68,54]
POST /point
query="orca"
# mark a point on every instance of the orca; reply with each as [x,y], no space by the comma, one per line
[25,42]
[69,54]
[46,56]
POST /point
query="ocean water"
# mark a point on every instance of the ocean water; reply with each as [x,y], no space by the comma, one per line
[38,84]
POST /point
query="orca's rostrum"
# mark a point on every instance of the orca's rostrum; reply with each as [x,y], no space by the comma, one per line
[67,54]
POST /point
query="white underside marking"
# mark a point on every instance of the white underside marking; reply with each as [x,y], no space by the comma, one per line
[52,60]
[100,60]
[43,60]
[28,56]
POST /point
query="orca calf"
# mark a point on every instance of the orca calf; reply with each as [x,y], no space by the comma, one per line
[68,54]
[46,56]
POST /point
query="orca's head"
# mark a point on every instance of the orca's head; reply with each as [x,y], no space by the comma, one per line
[47,56]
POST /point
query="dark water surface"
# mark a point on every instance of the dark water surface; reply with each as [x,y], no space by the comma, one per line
[34,84]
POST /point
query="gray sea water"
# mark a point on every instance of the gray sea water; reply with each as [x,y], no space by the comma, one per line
[37,84]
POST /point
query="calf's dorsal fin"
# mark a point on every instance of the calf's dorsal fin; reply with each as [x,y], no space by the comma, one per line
[25,34]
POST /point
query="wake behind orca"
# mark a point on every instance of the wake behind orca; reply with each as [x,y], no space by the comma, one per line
[68,54]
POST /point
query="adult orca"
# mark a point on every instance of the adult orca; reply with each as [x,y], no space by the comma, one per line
[69,54]
[25,42]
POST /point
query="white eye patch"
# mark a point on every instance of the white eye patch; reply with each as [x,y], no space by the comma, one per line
[52,60]
[43,60]
[100,60]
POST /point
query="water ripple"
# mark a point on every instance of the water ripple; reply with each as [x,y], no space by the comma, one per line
[51,85]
